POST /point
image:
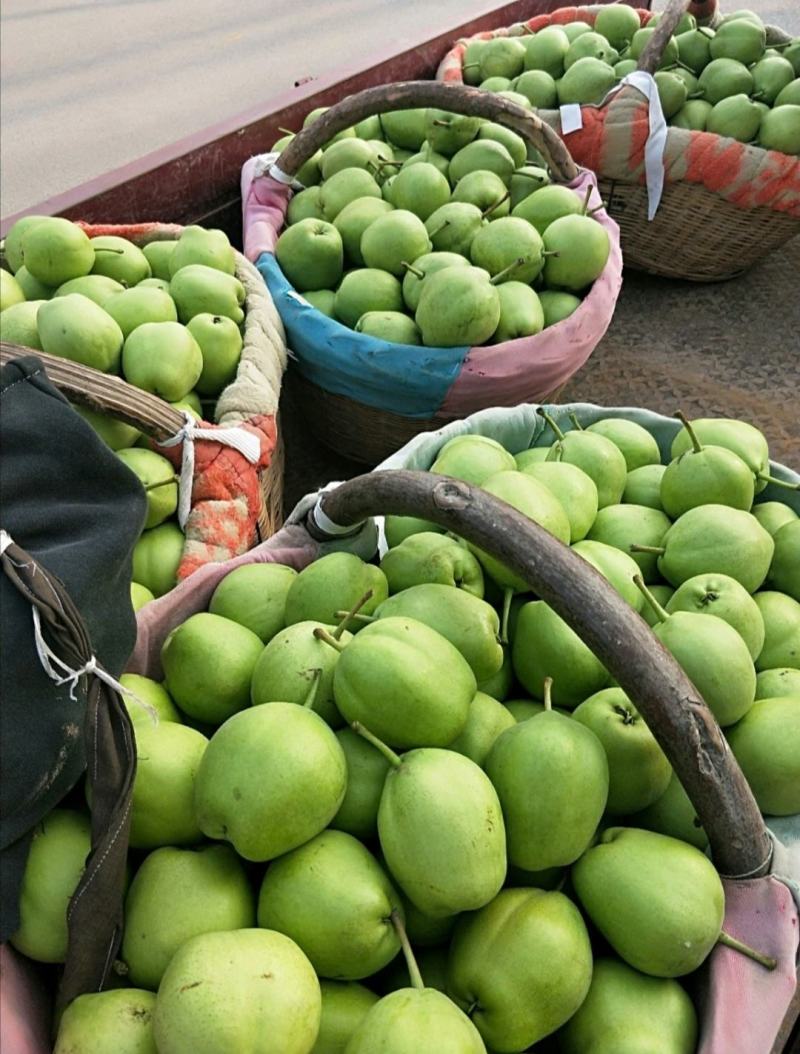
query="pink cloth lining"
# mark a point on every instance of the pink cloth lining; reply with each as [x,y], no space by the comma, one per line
[25,1006]
[264,204]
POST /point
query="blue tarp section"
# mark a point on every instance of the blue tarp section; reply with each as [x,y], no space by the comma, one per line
[400,378]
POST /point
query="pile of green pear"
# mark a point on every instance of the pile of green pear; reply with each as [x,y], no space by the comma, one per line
[401,807]
[427,227]
[727,81]
[167,317]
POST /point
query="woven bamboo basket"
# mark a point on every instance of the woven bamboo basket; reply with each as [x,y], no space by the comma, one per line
[697,234]
[366,433]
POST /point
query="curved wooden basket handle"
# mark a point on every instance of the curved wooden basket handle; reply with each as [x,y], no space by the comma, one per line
[620,638]
[104,393]
[407,95]
[650,58]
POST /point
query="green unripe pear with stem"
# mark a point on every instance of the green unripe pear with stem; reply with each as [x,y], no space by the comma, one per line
[694,48]
[712,654]
[310,254]
[557,306]
[539,88]
[510,249]
[431,557]
[54,250]
[781,616]
[527,180]
[395,327]
[705,475]
[482,155]
[73,327]
[779,682]
[366,774]
[780,129]
[345,186]
[739,39]
[472,458]
[726,598]
[588,45]
[615,565]
[788,96]
[546,50]
[576,250]
[772,515]
[502,57]
[739,436]
[514,144]
[18,324]
[587,81]
[623,525]
[617,23]
[637,445]
[428,156]
[96,287]
[599,458]
[737,117]
[305,205]
[420,189]
[158,478]
[346,153]
[640,40]
[674,815]
[486,191]
[573,488]
[117,1021]
[662,594]
[693,116]
[366,289]
[471,63]
[336,581]
[448,132]
[770,76]
[766,743]
[457,306]
[394,237]
[784,571]
[254,596]
[417,272]
[724,77]
[452,227]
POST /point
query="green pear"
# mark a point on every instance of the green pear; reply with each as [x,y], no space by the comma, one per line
[486,720]
[535,456]
[546,205]
[366,289]
[140,595]
[97,287]
[197,245]
[310,254]
[772,515]
[424,265]
[406,128]
[638,770]
[431,557]
[162,805]
[197,289]
[133,307]
[441,831]
[272,777]
[521,314]
[214,972]
[427,155]
[771,75]
[54,250]
[615,565]
[545,646]
[452,227]
[537,766]
[781,615]
[790,95]
[557,306]
[485,155]
[119,259]
[628,1011]
[158,256]
[345,1004]
[526,180]
[118,1021]
[18,324]
[637,445]
[220,343]
[415,1020]
[522,709]
[424,931]
[31,287]
[513,143]
[546,50]
[588,45]
[784,571]
[402,659]
[672,92]
[163,358]
[502,57]
[766,743]
[175,895]
[58,850]
[12,243]
[694,48]
[499,686]
[662,594]
[312,115]
[156,557]
[293,663]
[587,81]
[686,22]
[640,40]
[738,436]
[74,327]
[366,774]
[334,900]
[336,581]
[346,153]
[469,623]
[740,39]
[305,205]
[457,306]
[471,68]
[396,237]
[447,132]
[578,248]
[539,88]
[780,130]
[148,283]
[486,191]
[521,966]
[323,300]
[509,249]
[369,128]
[472,458]
[599,458]
[792,54]
[674,815]
[716,538]
[154,695]
[735,116]
[191,403]
[621,526]
[254,595]
[353,220]
[624,67]
[643,486]
[723,596]
[157,476]
[779,682]
[617,23]
[10,290]
[573,488]
[658,901]
[345,186]
[208,663]
[724,77]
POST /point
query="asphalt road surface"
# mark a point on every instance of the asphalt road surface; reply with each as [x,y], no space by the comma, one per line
[87,85]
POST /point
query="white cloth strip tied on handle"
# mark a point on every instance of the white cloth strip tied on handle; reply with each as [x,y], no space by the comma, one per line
[266,166]
[5,541]
[247,444]
[325,523]
[572,121]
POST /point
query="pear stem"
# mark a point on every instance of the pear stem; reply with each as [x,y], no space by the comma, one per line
[411,962]
[312,692]
[388,753]
[357,616]
[470,65]
[286,131]
[414,270]
[520,260]
[432,234]
[440,124]
[507,597]
[548,697]
[322,634]
[350,614]
[777,482]
[586,197]
[496,205]
[687,424]
[574,418]
[551,421]
[766,961]
[162,483]
[106,249]
[661,613]
[657,549]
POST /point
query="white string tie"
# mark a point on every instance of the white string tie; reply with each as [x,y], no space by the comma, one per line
[5,541]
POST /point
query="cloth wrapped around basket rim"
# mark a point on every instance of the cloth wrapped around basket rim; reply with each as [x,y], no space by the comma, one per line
[418,381]
[614,134]
[226,494]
